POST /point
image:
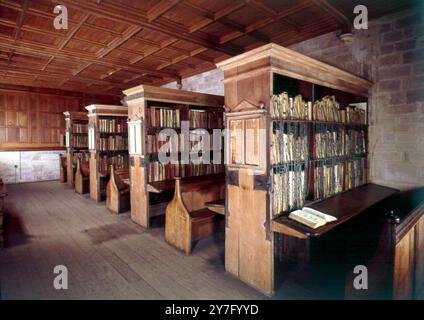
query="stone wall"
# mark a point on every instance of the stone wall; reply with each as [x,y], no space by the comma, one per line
[390,53]
[30,166]
[206,82]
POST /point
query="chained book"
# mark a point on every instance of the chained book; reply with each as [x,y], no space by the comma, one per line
[311,217]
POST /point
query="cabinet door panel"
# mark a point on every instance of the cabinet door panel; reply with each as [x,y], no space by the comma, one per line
[403,273]
[419,259]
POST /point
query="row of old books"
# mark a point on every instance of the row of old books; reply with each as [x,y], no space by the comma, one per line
[332,177]
[285,107]
[289,189]
[355,115]
[204,119]
[355,173]
[355,143]
[84,156]
[328,178]
[325,109]
[290,143]
[79,141]
[328,109]
[331,141]
[79,128]
[112,125]
[196,143]
[113,143]
[118,161]
[162,117]
[159,171]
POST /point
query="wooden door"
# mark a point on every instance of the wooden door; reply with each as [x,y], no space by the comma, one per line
[419,259]
[403,268]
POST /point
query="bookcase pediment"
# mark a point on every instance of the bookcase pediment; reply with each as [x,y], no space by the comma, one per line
[246,105]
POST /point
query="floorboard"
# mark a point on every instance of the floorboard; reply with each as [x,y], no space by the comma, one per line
[107,255]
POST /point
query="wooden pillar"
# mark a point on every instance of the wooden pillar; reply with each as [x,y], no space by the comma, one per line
[249,241]
[138,171]
[94,178]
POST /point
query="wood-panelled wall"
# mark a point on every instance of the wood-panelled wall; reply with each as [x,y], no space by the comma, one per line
[33,119]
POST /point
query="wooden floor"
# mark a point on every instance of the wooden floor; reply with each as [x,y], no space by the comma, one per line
[108,256]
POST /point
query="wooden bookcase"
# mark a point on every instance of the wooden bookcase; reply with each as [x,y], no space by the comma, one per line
[251,81]
[76,142]
[149,196]
[108,145]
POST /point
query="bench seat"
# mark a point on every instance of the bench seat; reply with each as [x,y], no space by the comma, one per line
[187,217]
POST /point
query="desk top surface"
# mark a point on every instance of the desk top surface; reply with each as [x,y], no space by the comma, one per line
[167,185]
[3,192]
[343,206]
[217,206]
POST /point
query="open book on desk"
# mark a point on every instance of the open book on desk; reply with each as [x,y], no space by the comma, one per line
[311,217]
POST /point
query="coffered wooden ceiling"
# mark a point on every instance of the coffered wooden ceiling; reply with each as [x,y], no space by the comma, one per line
[112,45]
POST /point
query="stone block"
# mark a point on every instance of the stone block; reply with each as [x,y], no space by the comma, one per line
[413,56]
[389,86]
[407,21]
[401,173]
[388,72]
[413,83]
[397,98]
[405,45]
[392,36]
[389,59]
[388,48]
[386,27]
[401,109]
[415,96]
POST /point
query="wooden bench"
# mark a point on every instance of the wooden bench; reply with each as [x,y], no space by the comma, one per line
[62,167]
[118,190]
[3,194]
[82,177]
[187,217]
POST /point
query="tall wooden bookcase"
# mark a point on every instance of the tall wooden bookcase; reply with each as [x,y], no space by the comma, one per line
[251,82]
[76,141]
[108,144]
[146,200]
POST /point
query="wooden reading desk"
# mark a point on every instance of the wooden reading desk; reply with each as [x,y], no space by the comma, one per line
[344,207]
[3,194]
[217,206]
[169,185]
[324,258]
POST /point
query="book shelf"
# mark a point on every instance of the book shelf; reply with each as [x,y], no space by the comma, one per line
[76,142]
[108,145]
[152,109]
[298,133]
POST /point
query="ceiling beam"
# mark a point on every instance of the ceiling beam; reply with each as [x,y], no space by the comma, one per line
[73,31]
[19,24]
[119,41]
[40,50]
[50,91]
[56,75]
[221,18]
[21,19]
[134,17]
[297,6]
[212,17]
[151,52]
[161,8]
[344,21]
[259,5]
[309,31]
